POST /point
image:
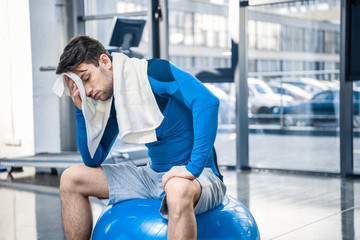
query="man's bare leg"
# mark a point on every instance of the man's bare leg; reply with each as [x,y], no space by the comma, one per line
[182,195]
[76,185]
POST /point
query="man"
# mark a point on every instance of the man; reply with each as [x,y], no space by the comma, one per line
[182,169]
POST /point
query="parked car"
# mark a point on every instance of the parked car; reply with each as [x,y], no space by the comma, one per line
[291,90]
[332,84]
[309,85]
[322,108]
[262,100]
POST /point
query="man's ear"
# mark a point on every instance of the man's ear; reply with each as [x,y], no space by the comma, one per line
[105,61]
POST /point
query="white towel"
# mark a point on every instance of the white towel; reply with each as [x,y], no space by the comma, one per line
[96,112]
[137,112]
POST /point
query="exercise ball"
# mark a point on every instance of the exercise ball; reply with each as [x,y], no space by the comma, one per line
[140,219]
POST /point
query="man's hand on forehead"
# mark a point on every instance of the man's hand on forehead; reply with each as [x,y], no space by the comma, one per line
[70,83]
[74,92]
[67,80]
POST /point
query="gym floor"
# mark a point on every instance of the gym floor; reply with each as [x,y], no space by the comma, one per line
[285,206]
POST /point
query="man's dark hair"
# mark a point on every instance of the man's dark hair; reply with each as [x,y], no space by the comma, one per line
[80,49]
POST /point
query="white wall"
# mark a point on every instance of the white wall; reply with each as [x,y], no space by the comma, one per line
[16,83]
[32,35]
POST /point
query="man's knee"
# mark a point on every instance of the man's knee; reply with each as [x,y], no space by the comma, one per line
[70,180]
[182,193]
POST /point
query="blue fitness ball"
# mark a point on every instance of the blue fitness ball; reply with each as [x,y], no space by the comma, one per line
[140,219]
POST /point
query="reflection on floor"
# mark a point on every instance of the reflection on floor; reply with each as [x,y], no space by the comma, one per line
[285,206]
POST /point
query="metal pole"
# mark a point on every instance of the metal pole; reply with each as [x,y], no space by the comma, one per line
[347,209]
[154,36]
[346,96]
[242,128]
[164,30]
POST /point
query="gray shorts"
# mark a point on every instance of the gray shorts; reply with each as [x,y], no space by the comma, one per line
[129,182]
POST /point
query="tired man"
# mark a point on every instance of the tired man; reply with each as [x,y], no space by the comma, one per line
[181,171]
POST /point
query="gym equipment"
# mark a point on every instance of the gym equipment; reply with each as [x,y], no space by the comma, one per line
[140,219]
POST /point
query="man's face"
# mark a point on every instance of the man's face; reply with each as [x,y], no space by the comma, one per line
[97,81]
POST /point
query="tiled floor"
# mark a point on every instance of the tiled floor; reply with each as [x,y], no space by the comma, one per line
[301,207]
[285,206]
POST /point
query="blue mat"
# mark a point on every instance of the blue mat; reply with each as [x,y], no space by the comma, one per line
[2,169]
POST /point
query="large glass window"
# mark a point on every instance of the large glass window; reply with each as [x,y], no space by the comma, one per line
[294,86]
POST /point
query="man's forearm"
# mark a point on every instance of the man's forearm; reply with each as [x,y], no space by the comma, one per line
[104,147]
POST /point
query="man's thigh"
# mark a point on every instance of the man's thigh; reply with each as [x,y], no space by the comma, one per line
[87,181]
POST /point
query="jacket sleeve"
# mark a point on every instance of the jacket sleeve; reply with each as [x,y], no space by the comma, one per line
[204,105]
[106,142]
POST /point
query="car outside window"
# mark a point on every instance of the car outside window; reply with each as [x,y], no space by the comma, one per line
[322,97]
[259,89]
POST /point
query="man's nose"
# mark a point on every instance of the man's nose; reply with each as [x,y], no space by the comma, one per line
[88,89]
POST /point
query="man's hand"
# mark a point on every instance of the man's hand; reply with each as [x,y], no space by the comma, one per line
[74,92]
[176,171]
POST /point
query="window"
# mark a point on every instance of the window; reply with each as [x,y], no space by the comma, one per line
[199,30]
[295,129]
